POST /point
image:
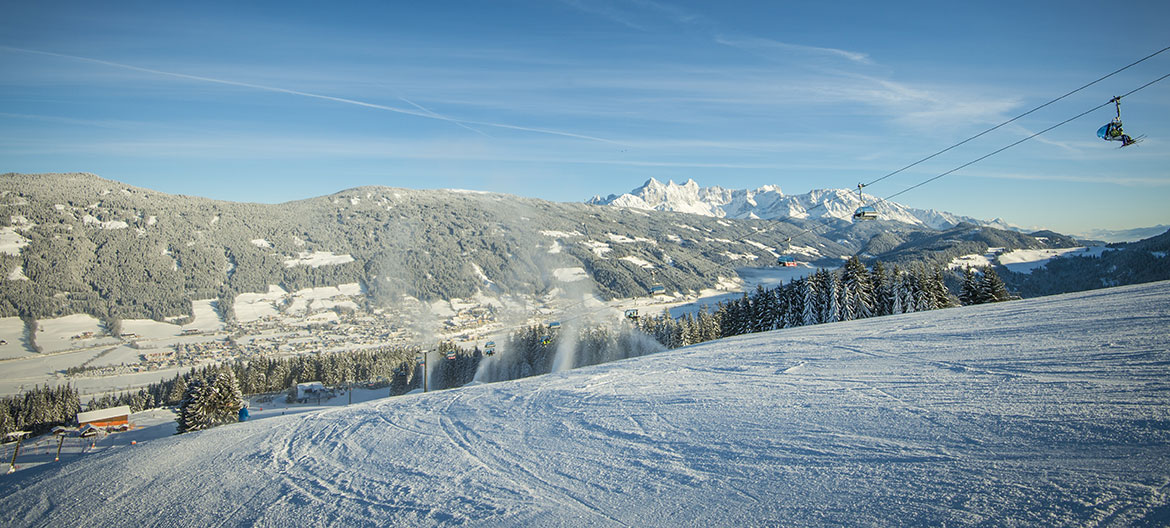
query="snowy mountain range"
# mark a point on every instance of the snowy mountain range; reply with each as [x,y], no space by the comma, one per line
[770,203]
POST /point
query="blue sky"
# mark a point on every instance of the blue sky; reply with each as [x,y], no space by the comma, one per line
[561,100]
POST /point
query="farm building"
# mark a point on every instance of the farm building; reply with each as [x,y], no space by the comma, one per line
[112,418]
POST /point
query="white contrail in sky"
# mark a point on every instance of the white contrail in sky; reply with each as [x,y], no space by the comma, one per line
[417,113]
[442,117]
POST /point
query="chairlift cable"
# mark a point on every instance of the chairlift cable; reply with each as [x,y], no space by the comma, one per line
[996,127]
[972,162]
[981,158]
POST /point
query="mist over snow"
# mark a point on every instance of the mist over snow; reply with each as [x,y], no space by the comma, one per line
[1044,412]
[1124,235]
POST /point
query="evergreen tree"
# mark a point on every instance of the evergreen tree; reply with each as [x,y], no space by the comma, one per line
[763,310]
[883,299]
[208,404]
[809,290]
[708,325]
[228,398]
[7,424]
[897,292]
[178,391]
[195,412]
[923,297]
[941,296]
[970,291]
[792,301]
[992,288]
[832,302]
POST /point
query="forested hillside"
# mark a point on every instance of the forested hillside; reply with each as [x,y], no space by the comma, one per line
[77,243]
[1133,263]
[91,245]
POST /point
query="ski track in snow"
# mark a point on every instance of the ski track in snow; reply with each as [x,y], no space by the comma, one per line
[1045,412]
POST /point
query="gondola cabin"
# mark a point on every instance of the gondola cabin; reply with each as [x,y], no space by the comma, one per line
[865,213]
[632,313]
[788,261]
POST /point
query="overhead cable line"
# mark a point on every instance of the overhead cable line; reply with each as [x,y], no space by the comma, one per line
[1001,125]
[956,169]
[996,127]
[981,158]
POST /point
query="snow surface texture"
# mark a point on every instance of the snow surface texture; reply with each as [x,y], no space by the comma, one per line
[768,202]
[1044,412]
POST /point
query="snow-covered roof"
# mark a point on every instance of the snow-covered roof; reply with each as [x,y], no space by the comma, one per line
[103,414]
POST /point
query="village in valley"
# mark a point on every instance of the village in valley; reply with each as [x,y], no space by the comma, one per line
[80,350]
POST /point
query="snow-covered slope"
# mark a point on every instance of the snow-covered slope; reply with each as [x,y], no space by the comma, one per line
[1045,412]
[768,202]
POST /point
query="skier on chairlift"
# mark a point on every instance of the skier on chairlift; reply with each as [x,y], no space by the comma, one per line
[1112,131]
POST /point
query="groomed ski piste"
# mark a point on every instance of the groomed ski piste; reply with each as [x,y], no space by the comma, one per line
[1045,412]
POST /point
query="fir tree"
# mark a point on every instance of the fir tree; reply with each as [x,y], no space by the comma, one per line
[941,296]
[195,411]
[898,292]
[178,391]
[207,404]
[809,290]
[860,295]
[832,304]
[992,288]
[883,299]
[969,294]
[7,424]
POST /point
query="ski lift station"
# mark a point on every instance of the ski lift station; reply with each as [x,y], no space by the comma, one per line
[312,388]
[111,418]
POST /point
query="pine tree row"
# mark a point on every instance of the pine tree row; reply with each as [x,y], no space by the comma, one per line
[852,292]
[38,410]
[982,286]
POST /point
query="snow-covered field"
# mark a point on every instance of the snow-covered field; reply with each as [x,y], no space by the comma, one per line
[71,332]
[1026,260]
[1022,260]
[12,339]
[11,241]
[749,279]
[317,259]
[253,306]
[1044,412]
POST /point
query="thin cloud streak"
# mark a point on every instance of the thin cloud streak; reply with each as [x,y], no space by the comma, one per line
[442,117]
[1124,181]
[765,47]
[274,89]
[229,147]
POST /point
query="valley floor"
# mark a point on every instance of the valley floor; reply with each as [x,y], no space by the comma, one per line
[1043,412]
